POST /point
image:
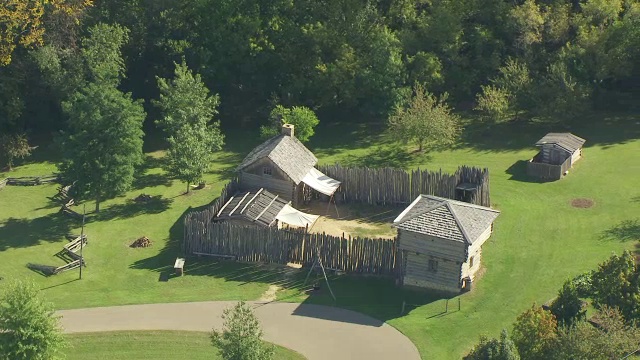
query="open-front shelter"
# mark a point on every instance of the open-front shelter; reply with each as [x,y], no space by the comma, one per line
[261,207]
[558,153]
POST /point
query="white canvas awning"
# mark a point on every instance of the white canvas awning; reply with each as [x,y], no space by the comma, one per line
[295,217]
[321,182]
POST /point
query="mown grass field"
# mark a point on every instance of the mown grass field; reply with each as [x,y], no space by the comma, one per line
[539,239]
[151,345]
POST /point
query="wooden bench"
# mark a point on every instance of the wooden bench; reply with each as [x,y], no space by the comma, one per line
[179,266]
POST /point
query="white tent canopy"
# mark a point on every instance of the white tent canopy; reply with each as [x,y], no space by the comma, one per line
[321,182]
[295,217]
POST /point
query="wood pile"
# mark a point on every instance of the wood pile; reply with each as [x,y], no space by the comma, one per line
[142,242]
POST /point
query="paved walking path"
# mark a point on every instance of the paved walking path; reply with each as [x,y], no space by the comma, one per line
[315,331]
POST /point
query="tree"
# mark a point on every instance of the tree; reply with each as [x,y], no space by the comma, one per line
[616,284]
[188,113]
[567,307]
[29,329]
[425,120]
[494,101]
[240,338]
[534,333]
[103,144]
[303,118]
[494,349]
[612,338]
[14,146]
[22,22]
[191,152]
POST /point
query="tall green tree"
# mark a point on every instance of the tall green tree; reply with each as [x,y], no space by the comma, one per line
[494,349]
[425,120]
[567,307]
[534,333]
[103,143]
[188,119]
[612,338]
[29,330]
[241,336]
[303,119]
[616,284]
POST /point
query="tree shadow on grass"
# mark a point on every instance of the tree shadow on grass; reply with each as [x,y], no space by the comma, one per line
[21,233]
[384,156]
[603,129]
[627,230]
[131,208]
[377,297]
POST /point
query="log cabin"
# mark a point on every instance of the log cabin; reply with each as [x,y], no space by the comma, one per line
[284,166]
[441,241]
[555,148]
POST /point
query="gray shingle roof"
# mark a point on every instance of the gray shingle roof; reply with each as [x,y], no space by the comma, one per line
[567,141]
[287,152]
[259,206]
[446,218]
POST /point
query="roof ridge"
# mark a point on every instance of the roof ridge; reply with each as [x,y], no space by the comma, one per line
[465,235]
[427,210]
[461,203]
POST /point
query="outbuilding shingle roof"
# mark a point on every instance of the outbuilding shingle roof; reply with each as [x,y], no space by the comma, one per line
[286,152]
[259,206]
[446,218]
[566,141]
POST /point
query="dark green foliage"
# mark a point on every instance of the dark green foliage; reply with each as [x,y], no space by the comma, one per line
[615,284]
[303,119]
[104,142]
[567,307]
[610,338]
[494,349]
[29,330]
[582,284]
[188,112]
[240,338]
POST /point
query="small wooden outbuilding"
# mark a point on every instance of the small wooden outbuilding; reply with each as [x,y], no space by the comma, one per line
[261,207]
[283,165]
[558,153]
[441,241]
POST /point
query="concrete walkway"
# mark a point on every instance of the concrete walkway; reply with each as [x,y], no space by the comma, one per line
[315,331]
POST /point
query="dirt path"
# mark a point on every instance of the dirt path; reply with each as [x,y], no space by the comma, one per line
[315,331]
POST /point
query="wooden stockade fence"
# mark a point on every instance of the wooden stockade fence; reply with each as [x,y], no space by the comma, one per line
[272,245]
[386,186]
[547,171]
[389,186]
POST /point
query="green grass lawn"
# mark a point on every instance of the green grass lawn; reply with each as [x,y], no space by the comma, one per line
[151,345]
[539,239]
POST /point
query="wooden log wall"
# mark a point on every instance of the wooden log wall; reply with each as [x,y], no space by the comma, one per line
[389,186]
[271,245]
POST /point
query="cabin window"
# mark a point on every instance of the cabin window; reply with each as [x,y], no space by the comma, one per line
[266,171]
[433,265]
[471,262]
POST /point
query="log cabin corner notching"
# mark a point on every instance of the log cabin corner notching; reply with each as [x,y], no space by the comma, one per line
[278,165]
[441,240]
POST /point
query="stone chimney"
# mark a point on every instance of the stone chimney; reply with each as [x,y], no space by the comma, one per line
[288,129]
